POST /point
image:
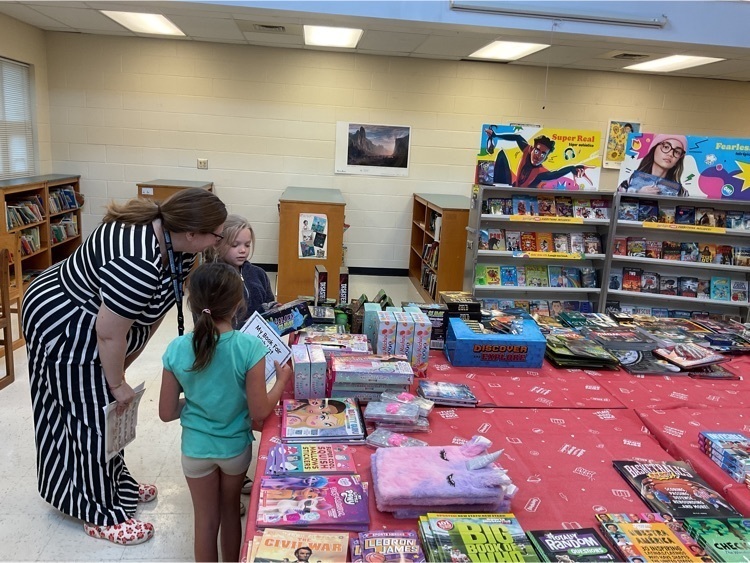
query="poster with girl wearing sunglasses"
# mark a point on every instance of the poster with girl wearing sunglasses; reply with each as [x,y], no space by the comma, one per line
[679,165]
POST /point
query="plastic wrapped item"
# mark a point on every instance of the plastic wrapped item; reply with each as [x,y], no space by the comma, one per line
[422,425]
[399,413]
[387,439]
[425,405]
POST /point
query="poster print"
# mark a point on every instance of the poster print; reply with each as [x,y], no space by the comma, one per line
[617,136]
[539,157]
[371,149]
[706,167]
[313,236]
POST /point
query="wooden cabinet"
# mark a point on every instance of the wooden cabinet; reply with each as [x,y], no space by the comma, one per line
[161,189]
[44,213]
[296,274]
[438,243]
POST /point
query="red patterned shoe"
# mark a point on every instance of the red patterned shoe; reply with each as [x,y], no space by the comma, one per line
[130,532]
[146,493]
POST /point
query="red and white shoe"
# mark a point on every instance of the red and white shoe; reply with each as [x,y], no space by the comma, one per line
[130,532]
[146,493]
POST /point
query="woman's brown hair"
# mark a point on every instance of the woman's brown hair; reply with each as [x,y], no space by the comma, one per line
[214,292]
[193,210]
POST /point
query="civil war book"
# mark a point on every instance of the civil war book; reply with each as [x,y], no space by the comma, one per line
[674,488]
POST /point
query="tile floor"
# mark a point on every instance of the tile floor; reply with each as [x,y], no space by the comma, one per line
[31,530]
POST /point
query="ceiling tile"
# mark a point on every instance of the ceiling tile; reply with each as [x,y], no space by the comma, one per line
[208,27]
[389,41]
[30,16]
[457,46]
[80,19]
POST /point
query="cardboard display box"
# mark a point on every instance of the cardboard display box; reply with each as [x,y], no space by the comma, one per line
[466,348]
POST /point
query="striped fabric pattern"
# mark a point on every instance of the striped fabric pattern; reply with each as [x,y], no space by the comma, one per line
[118,266]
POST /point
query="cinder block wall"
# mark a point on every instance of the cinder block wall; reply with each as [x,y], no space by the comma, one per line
[124,110]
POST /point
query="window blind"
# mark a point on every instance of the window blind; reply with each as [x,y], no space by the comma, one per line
[17,157]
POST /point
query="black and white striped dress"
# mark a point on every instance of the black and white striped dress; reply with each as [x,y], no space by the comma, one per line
[118,266]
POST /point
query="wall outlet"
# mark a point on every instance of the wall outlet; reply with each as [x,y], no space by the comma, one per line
[202,164]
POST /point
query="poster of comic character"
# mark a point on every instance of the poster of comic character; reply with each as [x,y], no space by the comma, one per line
[539,157]
[313,236]
[617,136]
[706,167]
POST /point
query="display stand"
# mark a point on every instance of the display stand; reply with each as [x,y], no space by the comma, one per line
[160,190]
[296,274]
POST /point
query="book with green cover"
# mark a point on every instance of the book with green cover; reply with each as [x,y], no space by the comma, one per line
[583,544]
[477,537]
[725,539]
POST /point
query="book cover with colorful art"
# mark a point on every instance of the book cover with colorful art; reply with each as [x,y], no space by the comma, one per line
[276,546]
[725,539]
[323,459]
[332,420]
[398,546]
[582,544]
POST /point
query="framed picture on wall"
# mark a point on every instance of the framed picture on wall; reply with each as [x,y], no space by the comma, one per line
[372,149]
[617,135]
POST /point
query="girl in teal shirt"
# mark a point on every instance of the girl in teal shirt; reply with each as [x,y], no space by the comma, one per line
[222,374]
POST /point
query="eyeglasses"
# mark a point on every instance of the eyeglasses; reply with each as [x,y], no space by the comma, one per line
[539,152]
[218,237]
[666,148]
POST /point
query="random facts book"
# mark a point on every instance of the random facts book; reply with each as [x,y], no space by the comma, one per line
[321,420]
[322,502]
[582,544]
[301,459]
[282,545]
[674,488]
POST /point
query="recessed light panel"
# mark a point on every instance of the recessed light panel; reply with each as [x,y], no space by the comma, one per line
[321,36]
[671,64]
[153,24]
[507,50]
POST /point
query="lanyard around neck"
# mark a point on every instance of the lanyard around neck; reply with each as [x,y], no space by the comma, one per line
[175,273]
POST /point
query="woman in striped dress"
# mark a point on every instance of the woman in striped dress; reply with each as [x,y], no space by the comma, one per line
[85,321]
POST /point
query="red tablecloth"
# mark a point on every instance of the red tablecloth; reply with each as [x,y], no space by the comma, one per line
[677,431]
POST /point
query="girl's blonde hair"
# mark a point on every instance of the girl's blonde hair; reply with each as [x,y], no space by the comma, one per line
[233,226]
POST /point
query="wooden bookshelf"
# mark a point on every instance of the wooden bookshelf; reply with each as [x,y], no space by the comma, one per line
[436,259]
[160,190]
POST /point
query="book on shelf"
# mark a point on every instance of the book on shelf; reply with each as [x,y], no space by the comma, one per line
[684,215]
[564,206]
[674,488]
[571,277]
[650,282]
[741,256]
[666,213]
[561,242]
[513,240]
[649,536]
[555,274]
[653,249]
[508,276]
[592,244]
[636,246]
[739,291]
[720,288]
[521,275]
[648,210]
[582,208]
[275,545]
[474,537]
[492,273]
[690,252]
[545,242]
[581,544]
[576,243]
[704,289]
[537,276]
[496,239]
[316,502]
[705,216]
[628,210]
[301,459]
[321,420]
[600,208]
[631,279]
[723,539]
[483,241]
[734,220]
[521,205]
[724,254]
[687,286]
[528,242]
[546,206]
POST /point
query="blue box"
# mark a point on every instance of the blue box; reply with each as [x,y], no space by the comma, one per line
[464,347]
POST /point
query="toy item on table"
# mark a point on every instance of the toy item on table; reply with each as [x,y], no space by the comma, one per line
[425,405]
[438,479]
[399,413]
[381,438]
[421,425]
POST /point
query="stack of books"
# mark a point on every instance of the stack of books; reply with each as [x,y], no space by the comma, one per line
[322,420]
[366,377]
[567,348]
[447,394]
[474,537]
[730,451]
[723,539]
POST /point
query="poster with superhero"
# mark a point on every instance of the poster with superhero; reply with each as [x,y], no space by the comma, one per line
[539,157]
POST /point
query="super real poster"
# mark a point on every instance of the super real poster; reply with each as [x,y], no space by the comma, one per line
[712,168]
[539,157]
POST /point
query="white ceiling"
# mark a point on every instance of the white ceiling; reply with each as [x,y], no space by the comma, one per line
[235,23]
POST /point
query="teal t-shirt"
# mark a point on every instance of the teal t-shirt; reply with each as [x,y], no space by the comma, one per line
[215,419]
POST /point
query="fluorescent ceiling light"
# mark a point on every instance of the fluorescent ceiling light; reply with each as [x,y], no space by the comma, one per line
[670,64]
[153,24]
[507,50]
[322,36]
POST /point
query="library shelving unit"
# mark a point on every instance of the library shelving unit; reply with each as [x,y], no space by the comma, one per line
[712,268]
[44,211]
[483,259]
[437,254]
[160,190]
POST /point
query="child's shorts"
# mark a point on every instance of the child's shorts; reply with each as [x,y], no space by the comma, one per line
[197,467]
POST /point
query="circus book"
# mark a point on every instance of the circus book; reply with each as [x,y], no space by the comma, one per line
[299,459]
[321,420]
[320,502]
[674,488]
